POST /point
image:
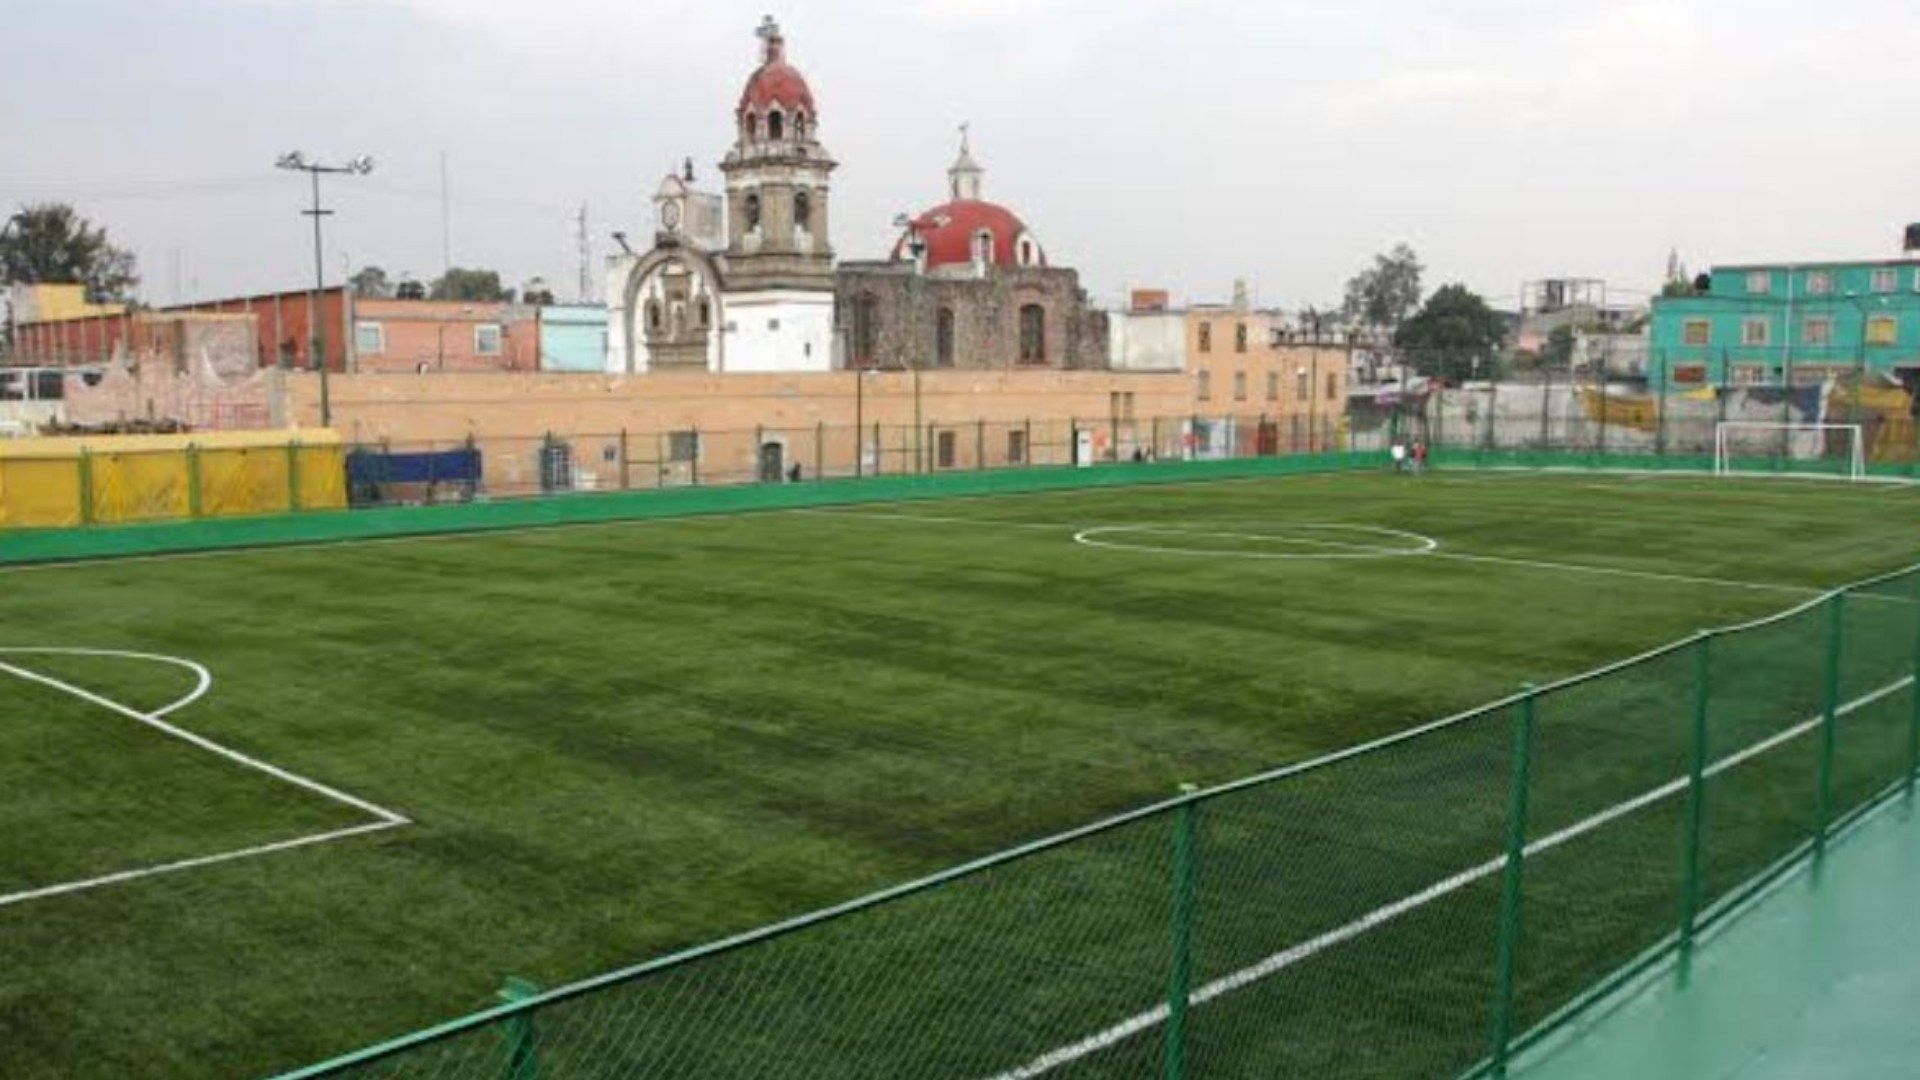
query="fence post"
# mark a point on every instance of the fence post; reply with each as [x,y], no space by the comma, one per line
[1509,952]
[84,463]
[1696,789]
[626,476]
[1026,442]
[979,444]
[819,449]
[522,1049]
[195,503]
[660,458]
[1913,696]
[696,456]
[1829,712]
[293,475]
[1180,976]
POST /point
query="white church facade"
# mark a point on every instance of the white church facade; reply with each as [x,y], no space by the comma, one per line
[745,282]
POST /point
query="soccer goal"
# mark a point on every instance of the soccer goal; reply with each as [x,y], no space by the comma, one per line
[1749,446]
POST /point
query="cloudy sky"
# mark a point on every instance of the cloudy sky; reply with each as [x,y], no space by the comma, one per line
[1179,144]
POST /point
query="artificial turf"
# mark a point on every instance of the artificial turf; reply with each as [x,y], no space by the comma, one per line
[615,740]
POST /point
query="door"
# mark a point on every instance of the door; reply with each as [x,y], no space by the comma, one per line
[773,466]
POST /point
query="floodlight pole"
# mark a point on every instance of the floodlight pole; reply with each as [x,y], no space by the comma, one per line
[297,162]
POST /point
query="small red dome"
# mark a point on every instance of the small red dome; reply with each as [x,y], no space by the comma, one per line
[948,233]
[777,82]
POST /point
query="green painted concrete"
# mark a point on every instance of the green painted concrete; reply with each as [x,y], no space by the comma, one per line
[1820,978]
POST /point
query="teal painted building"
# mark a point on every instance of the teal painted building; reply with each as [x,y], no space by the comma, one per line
[573,337]
[1779,324]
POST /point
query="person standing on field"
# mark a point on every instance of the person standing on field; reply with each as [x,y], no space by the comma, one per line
[1399,456]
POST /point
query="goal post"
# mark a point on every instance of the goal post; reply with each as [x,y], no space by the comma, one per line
[1761,446]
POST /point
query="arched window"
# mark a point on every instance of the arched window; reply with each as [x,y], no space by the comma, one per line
[1029,254]
[753,125]
[1033,334]
[800,125]
[752,211]
[776,125]
[865,329]
[983,247]
[703,311]
[653,315]
[802,210]
[943,338]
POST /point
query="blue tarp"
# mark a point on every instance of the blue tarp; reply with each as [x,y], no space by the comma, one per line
[369,470]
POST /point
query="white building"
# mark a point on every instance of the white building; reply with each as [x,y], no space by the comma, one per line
[758,297]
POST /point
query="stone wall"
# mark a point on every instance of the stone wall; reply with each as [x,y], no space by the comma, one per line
[905,308]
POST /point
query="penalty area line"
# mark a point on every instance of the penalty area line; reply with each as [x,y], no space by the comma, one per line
[383,817]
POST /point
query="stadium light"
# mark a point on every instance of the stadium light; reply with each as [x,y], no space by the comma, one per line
[295,161]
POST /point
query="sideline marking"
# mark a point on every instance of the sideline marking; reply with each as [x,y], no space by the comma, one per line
[1293,954]
[384,818]
[1344,549]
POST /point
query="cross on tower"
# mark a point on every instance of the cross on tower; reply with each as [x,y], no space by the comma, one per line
[769,35]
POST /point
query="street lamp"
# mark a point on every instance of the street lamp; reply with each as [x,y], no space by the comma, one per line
[295,161]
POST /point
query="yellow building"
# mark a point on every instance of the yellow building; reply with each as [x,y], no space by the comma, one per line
[56,302]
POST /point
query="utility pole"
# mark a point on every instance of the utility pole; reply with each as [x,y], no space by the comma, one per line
[297,162]
[446,220]
[586,274]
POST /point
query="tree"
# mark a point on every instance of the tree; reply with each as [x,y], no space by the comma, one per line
[1455,336]
[1558,353]
[409,289]
[1678,287]
[371,282]
[1384,294]
[536,292]
[49,242]
[476,285]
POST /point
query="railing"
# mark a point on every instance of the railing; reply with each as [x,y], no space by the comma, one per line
[1426,904]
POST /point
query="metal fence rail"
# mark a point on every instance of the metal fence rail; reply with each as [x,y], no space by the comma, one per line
[1425,904]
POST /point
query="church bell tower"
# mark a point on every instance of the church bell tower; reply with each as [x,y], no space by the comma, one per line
[777,180]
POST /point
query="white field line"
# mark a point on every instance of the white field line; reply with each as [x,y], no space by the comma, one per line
[384,818]
[1293,954]
[1530,564]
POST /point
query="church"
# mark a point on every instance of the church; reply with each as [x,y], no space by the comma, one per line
[747,281]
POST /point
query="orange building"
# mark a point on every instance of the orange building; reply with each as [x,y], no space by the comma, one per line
[444,335]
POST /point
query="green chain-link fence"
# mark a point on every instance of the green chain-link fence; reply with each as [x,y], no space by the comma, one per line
[1423,905]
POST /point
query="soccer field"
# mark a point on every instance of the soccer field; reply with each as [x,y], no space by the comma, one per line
[271,805]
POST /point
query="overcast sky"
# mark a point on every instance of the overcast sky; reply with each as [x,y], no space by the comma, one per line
[1172,144]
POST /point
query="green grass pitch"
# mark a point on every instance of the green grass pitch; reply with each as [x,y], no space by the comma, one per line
[601,743]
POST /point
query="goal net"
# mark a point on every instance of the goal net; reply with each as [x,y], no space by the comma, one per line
[1750,446]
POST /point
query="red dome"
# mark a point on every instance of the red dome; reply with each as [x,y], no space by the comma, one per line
[948,233]
[777,82]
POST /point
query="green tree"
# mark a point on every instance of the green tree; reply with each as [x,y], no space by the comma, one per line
[371,282]
[1455,336]
[475,285]
[1384,294]
[49,242]
[1557,355]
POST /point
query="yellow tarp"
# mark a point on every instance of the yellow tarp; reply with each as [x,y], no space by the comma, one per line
[101,479]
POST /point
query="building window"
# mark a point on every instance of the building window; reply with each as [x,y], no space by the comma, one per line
[943,338]
[753,211]
[1029,254]
[753,126]
[1273,386]
[983,248]
[1886,279]
[1759,282]
[1239,386]
[1696,332]
[1333,386]
[1240,337]
[943,449]
[1753,331]
[1206,337]
[1033,334]
[1302,389]
[802,210]
[703,310]
[369,338]
[1203,385]
[1017,447]
[1817,330]
[776,125]
[486,339]
[1749,374]
[653,315]
[1690,374]
[1882,330]
[683,446]
[1819,283]
[865,328]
